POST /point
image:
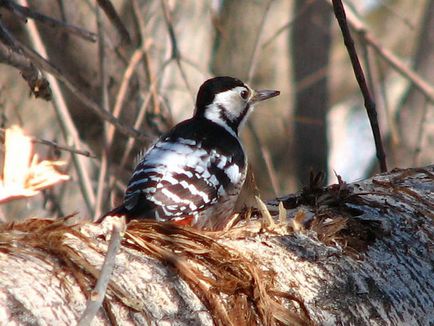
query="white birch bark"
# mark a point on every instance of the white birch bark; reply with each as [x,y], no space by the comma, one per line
[367,262]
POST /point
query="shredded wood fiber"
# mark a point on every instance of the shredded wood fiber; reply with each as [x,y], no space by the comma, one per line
[232,287]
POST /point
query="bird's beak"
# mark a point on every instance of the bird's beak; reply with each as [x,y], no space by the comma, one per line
[262,95]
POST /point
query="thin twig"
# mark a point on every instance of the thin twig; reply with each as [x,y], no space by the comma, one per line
[142,112]
[62,11]
[98,293]
[65,148]
[417,81]
[147,62]
[390,118]
[369,72]
[104,100]
[195,66]
[38,84]
[26,12]
[139,20]
[141,115]
[101,188]
[358,71]
[420,133]
[137,124]
[70,133]
[398,15]
[128,73]
[7,38]
[252,66]
[176,55]
[105,115]
[287,25]
[43,64]
[123,88]
[113,16]
[168,20]
[424,87]
[255,54]
[370,76]
[311,79]
[139,120]
[265,154]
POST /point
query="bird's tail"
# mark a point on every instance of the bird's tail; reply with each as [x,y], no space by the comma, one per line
[117,211]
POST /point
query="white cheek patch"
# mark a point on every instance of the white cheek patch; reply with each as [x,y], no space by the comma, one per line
[232,104]
[232,101]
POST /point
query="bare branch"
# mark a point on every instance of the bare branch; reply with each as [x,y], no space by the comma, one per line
[176,55]
[296,16]
[128,73]
[99,292]
[26,12]
[146,58]
[421,132]
[103,114]
[252,67]
[43,64]
[104,101]
[423,86]
[38,84]
[404,20]
[70,133]
[358,71]
[257,46]
[55,145]
[139,120]
[391,122]
[65,148]
[111,13]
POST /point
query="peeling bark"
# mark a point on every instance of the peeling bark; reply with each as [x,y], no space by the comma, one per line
[359,254]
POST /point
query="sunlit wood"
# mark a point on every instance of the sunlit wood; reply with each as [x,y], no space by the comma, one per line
[23,174]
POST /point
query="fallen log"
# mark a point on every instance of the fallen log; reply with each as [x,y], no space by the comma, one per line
[349,254]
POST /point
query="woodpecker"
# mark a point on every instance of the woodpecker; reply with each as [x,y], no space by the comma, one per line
[194,173]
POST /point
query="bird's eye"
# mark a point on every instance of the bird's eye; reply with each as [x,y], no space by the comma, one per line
[244,94]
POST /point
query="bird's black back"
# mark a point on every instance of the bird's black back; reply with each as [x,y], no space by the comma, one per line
[209,138]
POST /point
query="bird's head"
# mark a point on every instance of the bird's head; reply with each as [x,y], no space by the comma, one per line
[228,101]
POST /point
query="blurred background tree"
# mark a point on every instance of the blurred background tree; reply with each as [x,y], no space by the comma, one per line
[139,63]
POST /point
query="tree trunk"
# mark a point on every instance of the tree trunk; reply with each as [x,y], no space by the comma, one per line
[348,254]
[310,47]
[416,110]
